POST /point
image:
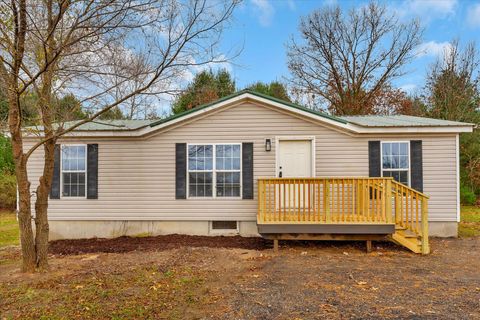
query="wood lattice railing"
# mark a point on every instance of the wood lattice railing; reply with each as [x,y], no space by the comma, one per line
[346,200]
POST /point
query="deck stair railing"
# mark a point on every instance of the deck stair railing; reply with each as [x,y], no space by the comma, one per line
[346,200]
[411,218]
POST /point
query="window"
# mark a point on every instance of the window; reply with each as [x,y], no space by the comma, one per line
[200,170]
[395,161]
[73,170]
[214,167]
[227,164]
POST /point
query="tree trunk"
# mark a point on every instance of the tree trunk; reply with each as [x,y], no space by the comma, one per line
[23,185]
[25,217]
[47,108]
[41,206]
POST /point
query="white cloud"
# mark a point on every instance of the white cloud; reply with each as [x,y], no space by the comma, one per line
[329,3]
[433,49]
[187,75]
[291,5]
[265,11]
[426,10]
[473,16]
[432,7]
[408,87]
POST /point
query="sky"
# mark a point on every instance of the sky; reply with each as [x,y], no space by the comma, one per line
[263,27]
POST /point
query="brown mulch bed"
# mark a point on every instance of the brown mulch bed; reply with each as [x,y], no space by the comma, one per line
[174,241]
[157,243]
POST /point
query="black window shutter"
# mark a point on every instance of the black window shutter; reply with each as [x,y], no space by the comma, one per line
[92,171]
[55,188]
[416,165]
[374,169]
[247,170]
[180,171]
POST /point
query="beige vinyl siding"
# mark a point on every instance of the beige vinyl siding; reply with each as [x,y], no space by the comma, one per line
[137,175]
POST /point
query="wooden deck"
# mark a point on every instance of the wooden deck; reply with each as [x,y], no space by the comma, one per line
[343,208]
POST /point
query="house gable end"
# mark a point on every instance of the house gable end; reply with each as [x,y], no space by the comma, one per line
[256,109]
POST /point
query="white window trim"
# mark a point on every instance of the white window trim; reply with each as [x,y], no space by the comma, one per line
[61,170]
[223,231]
[214,171]
[409,172]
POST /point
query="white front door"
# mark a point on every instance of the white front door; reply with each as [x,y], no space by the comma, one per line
[294,158]
[294,161]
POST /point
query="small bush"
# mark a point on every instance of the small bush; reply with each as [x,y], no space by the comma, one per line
[8,191]
[467,196]
[6,155]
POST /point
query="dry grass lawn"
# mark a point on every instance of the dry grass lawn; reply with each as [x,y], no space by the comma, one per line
[470,222]
[8,229]
[303,281]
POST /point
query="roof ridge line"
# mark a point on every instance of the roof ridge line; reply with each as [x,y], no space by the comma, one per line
[249,91]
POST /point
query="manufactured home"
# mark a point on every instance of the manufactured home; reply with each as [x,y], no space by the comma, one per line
[252,165]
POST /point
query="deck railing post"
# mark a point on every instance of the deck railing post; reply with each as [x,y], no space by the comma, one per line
[328,214]
[425,245]
[398,210]
[388,200]
[261,214]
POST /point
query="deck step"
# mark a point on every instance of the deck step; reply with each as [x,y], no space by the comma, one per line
[407,234]
[412,244]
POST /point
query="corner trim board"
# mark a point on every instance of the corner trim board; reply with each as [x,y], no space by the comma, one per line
[457,156]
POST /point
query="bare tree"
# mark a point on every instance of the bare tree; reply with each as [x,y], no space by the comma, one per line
[452,89]
[129,73]
[345,59]
[57,47]
[452,92]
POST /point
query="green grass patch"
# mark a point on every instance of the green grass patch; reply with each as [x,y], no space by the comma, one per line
[470,222]
[9,234]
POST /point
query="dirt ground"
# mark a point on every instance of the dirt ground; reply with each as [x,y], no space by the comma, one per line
[178,277]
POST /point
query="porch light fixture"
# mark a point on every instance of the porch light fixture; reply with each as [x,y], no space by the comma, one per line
[268,144]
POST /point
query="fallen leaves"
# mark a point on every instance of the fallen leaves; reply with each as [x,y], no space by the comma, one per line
[327,282]
[155,287]
[90,257]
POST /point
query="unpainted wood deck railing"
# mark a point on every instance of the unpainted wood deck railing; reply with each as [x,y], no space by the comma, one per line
[411,213]
[346,200]
[324,200]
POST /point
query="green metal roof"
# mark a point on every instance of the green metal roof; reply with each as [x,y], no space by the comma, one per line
[363,121]
[400,121]
[236,94]
[109,125]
